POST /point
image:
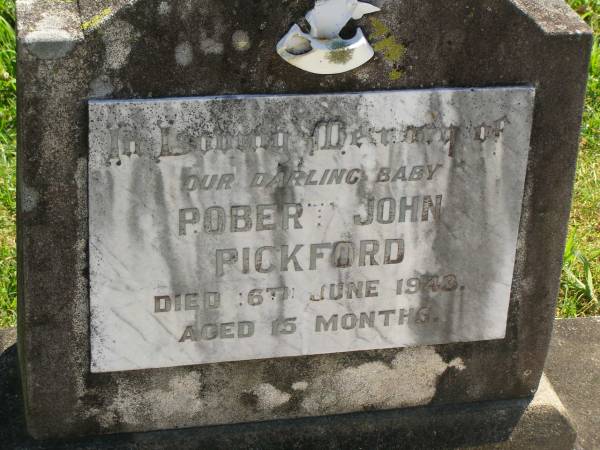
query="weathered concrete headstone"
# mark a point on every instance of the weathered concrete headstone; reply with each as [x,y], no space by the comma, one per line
[210,235]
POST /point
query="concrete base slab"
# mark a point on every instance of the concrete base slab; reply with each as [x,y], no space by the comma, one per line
[539,423]
[574,370]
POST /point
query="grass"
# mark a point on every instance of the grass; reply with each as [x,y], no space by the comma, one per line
[579,294]
[580,283]
[8,89]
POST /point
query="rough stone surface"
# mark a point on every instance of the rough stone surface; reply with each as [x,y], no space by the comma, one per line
[8,337]
[130,51]
[517,424]
[573,367]
[185,199]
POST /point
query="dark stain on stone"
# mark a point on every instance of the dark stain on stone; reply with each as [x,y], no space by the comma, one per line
[249,399]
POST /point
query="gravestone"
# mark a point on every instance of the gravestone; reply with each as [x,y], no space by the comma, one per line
[221,223]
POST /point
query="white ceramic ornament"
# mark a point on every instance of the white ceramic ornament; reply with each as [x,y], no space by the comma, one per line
[323,51]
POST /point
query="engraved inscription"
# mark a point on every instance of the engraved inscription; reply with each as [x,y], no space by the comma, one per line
[328,134]
[233,228]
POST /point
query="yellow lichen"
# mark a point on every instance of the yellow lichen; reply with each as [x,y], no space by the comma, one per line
[392,50]
[95,20]
[338,53]
[387,45]
[396,74]
[379,28]
[340,56]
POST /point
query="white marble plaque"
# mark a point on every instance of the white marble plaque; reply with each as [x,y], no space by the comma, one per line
[251,227]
